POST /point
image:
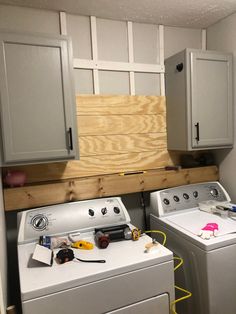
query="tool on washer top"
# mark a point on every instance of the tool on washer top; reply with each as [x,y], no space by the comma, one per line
[103,236]
[83,245]
[67,255]
[151,246]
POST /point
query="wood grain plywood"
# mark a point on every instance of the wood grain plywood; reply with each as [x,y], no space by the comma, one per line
[119,105]
[121,124]
[121,144]
[95,165]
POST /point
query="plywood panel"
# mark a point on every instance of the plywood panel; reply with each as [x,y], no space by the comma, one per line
[119,105]
[117,124]
[100,186]
[98,165]
[121,144]
[95,165]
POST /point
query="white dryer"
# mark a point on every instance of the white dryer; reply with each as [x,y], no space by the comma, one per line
[130,281]
[209,265]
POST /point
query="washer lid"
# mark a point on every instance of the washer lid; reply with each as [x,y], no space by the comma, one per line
[121,257]
[190,223]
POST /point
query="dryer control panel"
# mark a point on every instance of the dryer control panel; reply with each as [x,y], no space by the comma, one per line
[168,201]
[83,216]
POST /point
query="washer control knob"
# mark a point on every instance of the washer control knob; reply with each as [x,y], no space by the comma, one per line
[176,198]
[166,201]
[185,196]
[104,210]
[195,194]
[91,212]
[116,210]
[214,192]
[39,222]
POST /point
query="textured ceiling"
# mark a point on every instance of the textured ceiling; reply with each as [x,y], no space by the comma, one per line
[183,13]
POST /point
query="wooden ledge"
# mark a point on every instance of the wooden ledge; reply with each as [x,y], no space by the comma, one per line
[100,186]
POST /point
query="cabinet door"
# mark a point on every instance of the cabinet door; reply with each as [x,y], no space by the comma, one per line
[36,98]
[211,99]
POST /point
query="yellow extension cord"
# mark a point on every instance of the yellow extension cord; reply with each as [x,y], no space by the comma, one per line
[188,293]
[157,231]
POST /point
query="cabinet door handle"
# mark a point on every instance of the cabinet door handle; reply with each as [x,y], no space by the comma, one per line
[179,67]
[70,139]
[197,131]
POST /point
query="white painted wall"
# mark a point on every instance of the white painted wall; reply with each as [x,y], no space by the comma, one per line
[177,38]
[221,36]
[29,20]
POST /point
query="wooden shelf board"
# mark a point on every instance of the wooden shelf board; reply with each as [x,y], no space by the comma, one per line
[37,195]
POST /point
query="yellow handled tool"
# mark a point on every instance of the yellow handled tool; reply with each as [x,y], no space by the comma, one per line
[83,245]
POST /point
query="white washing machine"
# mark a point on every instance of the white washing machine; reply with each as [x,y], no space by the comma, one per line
[130,281]
[209,270]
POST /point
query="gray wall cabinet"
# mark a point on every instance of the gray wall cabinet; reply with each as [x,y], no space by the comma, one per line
[37,99]
[199,100]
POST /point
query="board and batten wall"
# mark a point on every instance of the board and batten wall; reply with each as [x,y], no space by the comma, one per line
[119,41]
[221,36]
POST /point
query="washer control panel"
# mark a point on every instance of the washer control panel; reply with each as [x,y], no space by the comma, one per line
[72,217]
[183,197]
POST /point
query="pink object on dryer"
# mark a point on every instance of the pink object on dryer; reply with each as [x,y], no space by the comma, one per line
[15,178]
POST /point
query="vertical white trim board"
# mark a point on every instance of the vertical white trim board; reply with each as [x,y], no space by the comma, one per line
[93,23]
[204,39]
[131,57]
[62,22]
[161,45]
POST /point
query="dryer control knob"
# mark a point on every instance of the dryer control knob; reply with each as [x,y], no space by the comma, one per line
[39,222]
